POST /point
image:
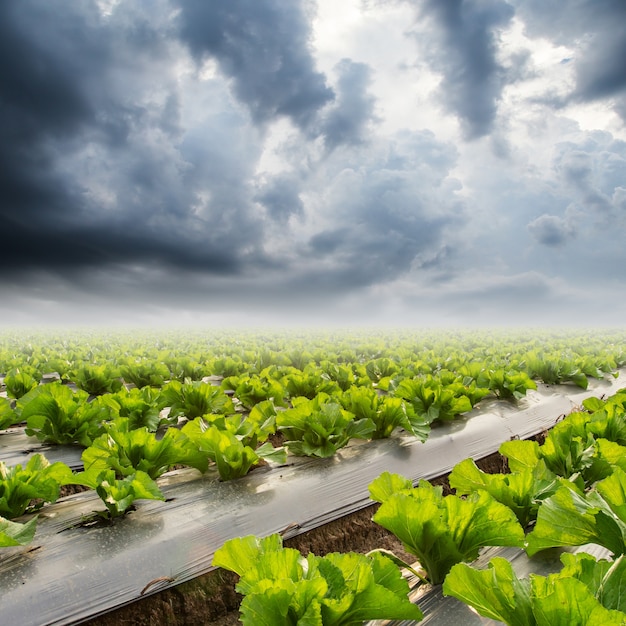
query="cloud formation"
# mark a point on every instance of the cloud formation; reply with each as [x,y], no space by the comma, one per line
[311,160]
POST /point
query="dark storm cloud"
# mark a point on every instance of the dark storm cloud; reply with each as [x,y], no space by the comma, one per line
[95,168]
[349,120]
[597,29]
[464,48]
[40,102]
[263,45]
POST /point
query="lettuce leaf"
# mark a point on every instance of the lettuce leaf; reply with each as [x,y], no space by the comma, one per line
[16,534]
[441,531]
[521,491]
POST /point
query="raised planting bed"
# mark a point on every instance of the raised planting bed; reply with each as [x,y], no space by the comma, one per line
[73,572]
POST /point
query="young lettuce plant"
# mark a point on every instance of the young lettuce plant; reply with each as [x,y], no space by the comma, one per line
[319,427]
[194,399]
[16,534]
[282,587]
[250,390]
[521,491]
[572,518]
[55,414]
[139,406]
[231,455]
[8,416]
[19,383]
[26,489]
[441,531]
[387,413]
[584,592]
[431,400]
[96,379]
[127,451]
[119,494]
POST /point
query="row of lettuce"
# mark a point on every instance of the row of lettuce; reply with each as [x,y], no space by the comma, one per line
[318,399]
[569,491]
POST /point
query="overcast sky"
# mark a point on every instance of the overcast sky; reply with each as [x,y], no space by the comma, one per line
[350,162]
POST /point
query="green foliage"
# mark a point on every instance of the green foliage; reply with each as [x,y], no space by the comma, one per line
[585,592]
[19,383]
[432,400]
[555,369]
[521,491]
[8,416]
[195,399]
[128,451]
[16,534]
[251,390]
[119,494]
[55,414]
[232,457]
[387,413]
[25,489]
[139,406]
[96,379]
[572,518]
[282,587]
[441,531]
[319,427]
[509,384]
[308,384]
[144,372]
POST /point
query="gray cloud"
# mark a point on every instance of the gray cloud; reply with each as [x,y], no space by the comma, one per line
[95,165]
[280,196]
[464,49]
[551,230]
[349,121]
[592,170]
[597,33]
[386,216]
[263,45]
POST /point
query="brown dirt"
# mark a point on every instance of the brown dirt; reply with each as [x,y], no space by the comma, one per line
[211,600]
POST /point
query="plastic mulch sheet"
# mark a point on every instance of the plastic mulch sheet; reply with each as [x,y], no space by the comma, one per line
[71,572]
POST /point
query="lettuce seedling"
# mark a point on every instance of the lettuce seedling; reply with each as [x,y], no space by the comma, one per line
[16,534]
[283,587]
[319,427]
[55,414]
[19,383]
[521,491]
[96,379]
[119,494]
[584,592]
[441,531]
[232,457]
[387,413]
[572,518]
[194,399]
[127,451]
[38,481]
[144,373]
[8,416]
[432,400]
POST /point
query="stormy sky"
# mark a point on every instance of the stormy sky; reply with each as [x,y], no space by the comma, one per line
[363,162]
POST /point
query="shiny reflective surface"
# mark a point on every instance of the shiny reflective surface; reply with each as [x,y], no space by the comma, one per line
[76,572]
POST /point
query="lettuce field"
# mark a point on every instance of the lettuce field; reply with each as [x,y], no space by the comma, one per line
[136,461]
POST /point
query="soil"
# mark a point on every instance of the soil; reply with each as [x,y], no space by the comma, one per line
[211,599]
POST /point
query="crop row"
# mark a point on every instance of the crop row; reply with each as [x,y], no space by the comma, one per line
[568,491]
[132,435]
